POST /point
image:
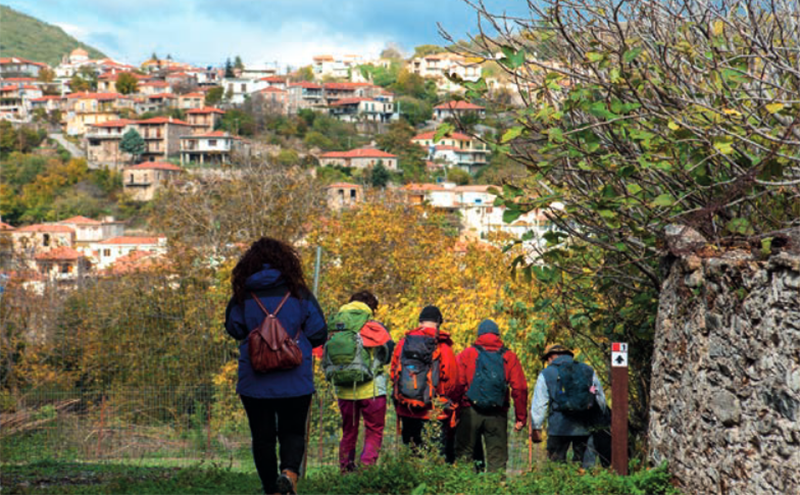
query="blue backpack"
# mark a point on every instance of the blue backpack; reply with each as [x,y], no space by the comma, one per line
[489,386]
[573,394]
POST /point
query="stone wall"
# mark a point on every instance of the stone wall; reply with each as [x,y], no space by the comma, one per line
[725,396]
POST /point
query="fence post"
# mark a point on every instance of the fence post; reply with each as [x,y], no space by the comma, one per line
[208,439]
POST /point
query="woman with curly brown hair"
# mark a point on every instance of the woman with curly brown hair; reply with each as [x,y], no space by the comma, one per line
[276,402]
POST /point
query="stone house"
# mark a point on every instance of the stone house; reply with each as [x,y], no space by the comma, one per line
[204,120]
[88,230]
[162,136]
[276,99]
[143,180]
[344,195]
[191,101]
[62,264]
[103,142]
[41,238]
[304,95]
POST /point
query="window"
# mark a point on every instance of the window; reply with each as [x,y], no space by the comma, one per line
[106,252]
[66,268]
[244,87]
[46,240]
[130,178]
[212,142]
[353,194]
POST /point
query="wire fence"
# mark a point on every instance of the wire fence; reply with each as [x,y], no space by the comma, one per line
[138,369]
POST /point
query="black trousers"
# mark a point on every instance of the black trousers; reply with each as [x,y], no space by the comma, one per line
[412,434]
[281,419]
[557,447]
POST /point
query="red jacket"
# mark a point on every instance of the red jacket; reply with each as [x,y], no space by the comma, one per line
[513,370]
[448,371]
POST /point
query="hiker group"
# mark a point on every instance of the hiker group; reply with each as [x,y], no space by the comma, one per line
[465,397]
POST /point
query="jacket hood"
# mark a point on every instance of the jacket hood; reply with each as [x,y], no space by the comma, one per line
[266,278]
[374,334]
[489,341]
[356,306]
[444,336]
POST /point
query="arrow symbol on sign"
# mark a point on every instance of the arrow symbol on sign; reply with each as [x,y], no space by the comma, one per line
[620,360]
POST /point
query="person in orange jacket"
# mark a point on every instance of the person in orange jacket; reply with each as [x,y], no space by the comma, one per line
[484,382]
[425,377]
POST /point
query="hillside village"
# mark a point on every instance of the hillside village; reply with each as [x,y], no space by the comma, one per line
[358,125]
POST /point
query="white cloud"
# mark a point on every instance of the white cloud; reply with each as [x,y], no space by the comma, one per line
[73,30]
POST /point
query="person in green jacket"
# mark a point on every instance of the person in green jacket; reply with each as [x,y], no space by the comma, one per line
[365,399]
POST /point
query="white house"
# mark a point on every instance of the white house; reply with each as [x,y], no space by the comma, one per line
[212,147]
[363,110]
[359,158]
[438,65]
[88,230]
[457,109]
[456,149]
[110,250]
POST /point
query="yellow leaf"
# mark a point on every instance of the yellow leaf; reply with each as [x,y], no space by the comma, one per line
[718,27]
[774,107]
[672,125]
[730,111]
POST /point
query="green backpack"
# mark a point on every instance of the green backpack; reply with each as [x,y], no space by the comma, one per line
[344,359]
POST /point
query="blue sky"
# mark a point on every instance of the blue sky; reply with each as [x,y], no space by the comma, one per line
[205,32]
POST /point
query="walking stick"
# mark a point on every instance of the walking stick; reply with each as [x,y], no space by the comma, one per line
[304,463]
[530,445]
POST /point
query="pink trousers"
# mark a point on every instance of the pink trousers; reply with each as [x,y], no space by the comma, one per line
[374,413]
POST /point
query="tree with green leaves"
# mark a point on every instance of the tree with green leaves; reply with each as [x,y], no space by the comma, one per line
[133,143]
[237,63]
[423,50]
[214,96]
[305,73]
[411,156]
[414,110]
[647,114]
[379,175]
[229,68]
[126,83]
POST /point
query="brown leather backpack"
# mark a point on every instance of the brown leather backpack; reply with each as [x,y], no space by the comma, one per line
[269,346]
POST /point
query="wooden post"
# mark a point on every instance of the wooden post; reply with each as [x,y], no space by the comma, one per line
[208,439]
[102,424]
[619,407]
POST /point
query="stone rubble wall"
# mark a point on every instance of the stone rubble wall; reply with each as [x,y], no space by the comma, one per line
[725,391]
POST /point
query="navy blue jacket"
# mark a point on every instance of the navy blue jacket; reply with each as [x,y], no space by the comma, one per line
[297,315]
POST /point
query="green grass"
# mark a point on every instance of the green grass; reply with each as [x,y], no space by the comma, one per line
[403,474]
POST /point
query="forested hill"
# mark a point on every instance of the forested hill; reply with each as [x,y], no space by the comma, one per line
[24,36]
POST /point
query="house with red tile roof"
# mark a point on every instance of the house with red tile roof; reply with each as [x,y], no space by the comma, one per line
[359,158]
[364,110]
[191,101]
[111,250]
[344,195]
[15,99]
[62,264]
[204,119]
[86,108]
[275,100]
[304,95]
[162,136]
[107,82]
[48,103]
[457,109]
[455,149]
[88,230]
[143,180]
[212,147]
[19,67]
[102,142]
[30,240]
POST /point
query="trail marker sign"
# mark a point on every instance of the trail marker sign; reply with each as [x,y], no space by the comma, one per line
[619,407]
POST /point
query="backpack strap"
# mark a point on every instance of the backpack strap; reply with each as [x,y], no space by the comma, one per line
[261,305]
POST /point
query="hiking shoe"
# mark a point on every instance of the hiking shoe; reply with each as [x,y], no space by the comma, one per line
[286,482]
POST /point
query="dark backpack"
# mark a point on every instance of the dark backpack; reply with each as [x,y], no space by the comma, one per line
[416,383]
[573,394]
[269,346]
[489,386]
[344,359]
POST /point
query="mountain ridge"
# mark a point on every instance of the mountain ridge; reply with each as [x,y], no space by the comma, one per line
[27,37]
